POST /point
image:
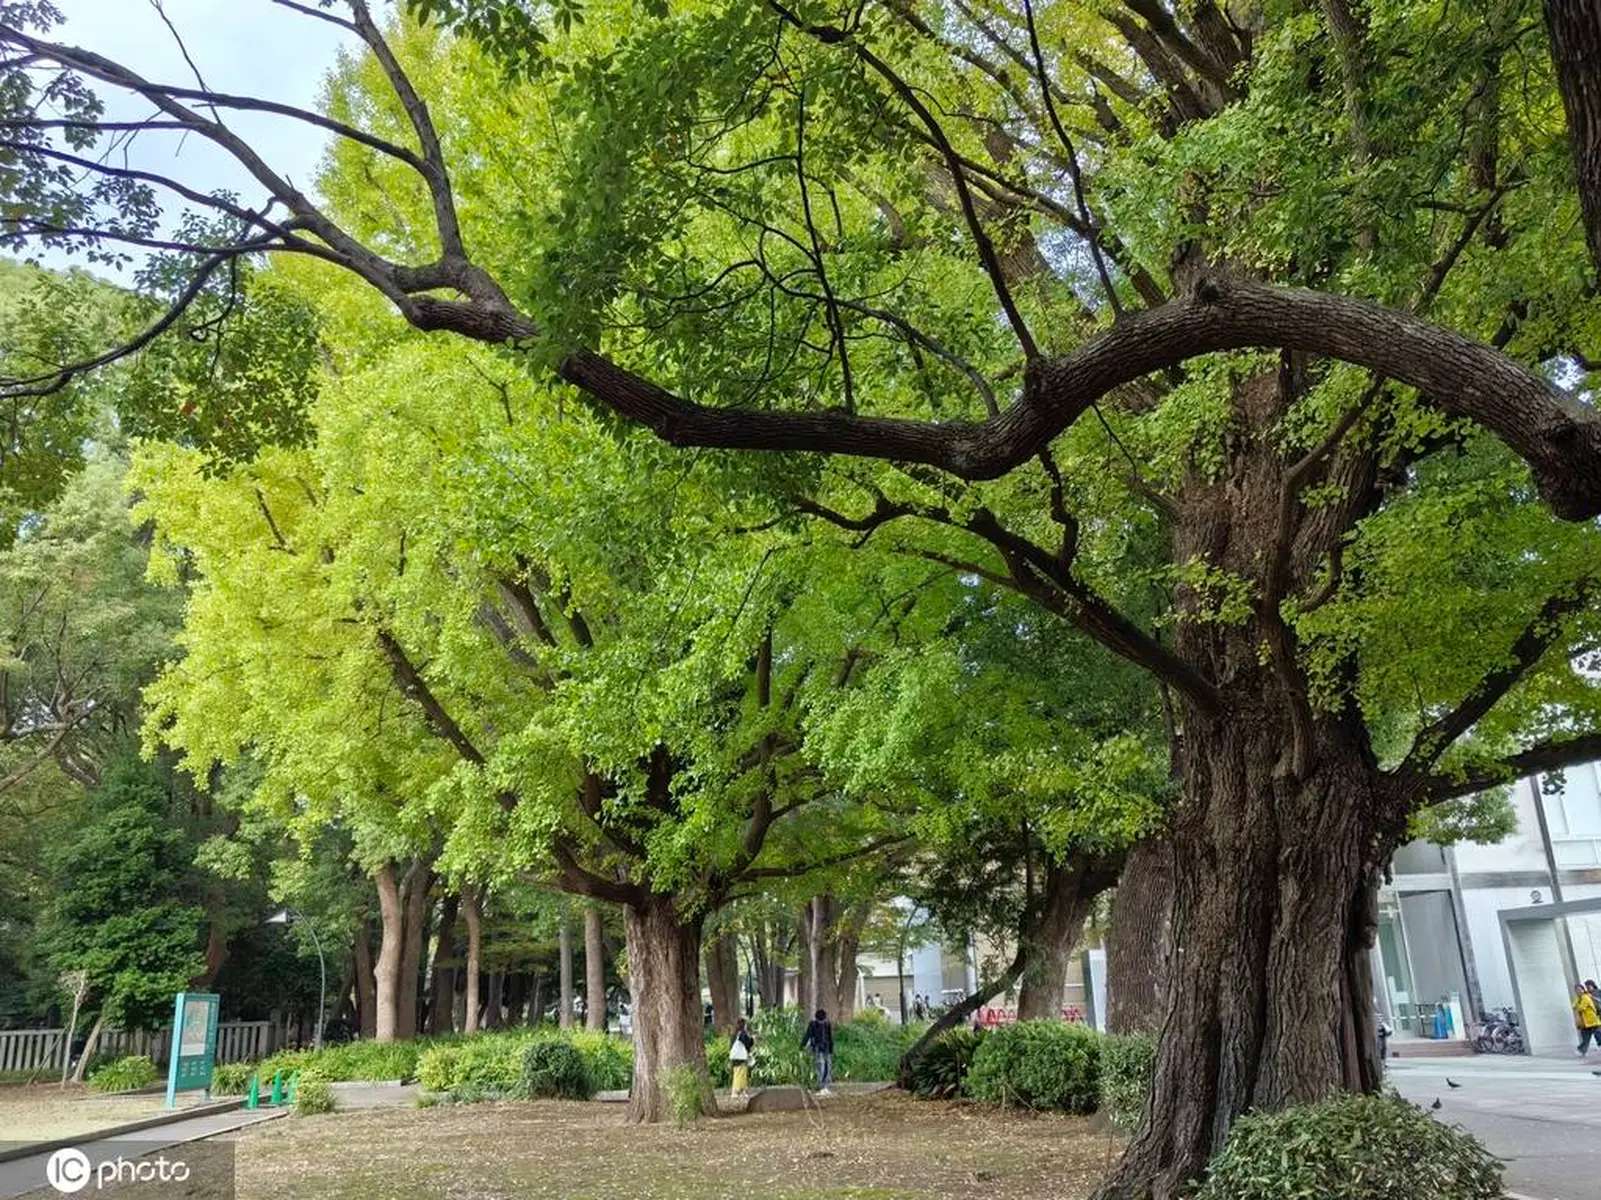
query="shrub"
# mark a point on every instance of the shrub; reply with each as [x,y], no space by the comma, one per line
[1351,1148]
[685,1086]
[313,1095]
[1039,1064]
[436,1067]
[124,1075]
[1127,1063]
[231,1079]
[554,1070]
[368,1061]
[779,1057]
[868,1051]
[939,1072]
[610,1060]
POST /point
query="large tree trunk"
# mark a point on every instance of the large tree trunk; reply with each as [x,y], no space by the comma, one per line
[594,972]
[820,933]
[475,944]
[366,985]
[847,944]
[565,1004]
[1574,27]
[722,980]
[1061,924]
[664,977]
[1268,997]
[495,1000]
[387,970]
[442,996]
[1139,943]
[414,887]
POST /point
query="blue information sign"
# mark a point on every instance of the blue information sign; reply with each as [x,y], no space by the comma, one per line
[194,1044]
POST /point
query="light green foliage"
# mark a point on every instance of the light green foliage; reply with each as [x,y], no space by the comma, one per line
[313,1096]
[1351,1148]
[124,1075]
[1040,1065]
[232,1079]
[685,1086]
[1127,1064]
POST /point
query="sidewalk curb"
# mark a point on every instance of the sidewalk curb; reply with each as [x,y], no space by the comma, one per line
[1518,1196]
[116,1131]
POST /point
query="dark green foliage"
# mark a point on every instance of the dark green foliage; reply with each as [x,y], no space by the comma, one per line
[1351,1148]
[553,1070]
[1127,1064]
[124,1075]
[1040,1065]
[231,1079]
[939,1072]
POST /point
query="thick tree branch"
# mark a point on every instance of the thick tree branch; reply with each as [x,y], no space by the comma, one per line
[1546,756]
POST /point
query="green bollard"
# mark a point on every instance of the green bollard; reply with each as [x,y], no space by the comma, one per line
[277,1089]
[254,1097]
[294,1082]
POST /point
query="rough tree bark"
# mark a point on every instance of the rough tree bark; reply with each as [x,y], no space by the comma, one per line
[414,891]
[1056,936]
[1139,943]
[664,978]
[594,972]
[1574,27]
[442,994]
[387,970]
[722,980]
[565,1003]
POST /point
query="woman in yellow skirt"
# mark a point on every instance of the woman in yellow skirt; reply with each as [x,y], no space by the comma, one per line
[739,1053]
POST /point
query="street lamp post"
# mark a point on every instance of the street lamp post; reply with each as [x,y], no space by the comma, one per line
[282,917]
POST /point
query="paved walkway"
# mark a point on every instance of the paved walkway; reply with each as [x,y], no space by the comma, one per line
[23,1175]
[1542,1115]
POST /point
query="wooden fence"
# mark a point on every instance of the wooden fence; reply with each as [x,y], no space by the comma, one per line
[32,1049]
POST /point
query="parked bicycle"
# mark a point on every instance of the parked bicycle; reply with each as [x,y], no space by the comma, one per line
[1499,1033]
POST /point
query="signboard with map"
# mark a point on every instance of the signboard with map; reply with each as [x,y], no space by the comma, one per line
[194,1044]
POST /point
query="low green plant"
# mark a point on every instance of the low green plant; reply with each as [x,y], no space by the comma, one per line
[610,1059]
[939,1072]
[28,1075]
[1351,1148]
[868,1049]
[1128,1062]
[231,1079]
[313,1095]
[124,1075]
[1039,1065]
[685,1087]
[554,1070]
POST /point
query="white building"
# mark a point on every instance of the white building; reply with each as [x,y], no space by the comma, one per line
[1513,924]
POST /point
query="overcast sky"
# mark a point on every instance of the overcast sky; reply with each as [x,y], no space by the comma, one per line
[245,47]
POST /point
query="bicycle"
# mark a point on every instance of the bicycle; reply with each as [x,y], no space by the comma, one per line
[1499,1033]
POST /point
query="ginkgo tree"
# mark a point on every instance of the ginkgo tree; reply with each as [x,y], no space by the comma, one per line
[1249,344]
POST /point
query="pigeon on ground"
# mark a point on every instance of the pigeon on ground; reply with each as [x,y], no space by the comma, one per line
[1436,1103]
[1451,1083]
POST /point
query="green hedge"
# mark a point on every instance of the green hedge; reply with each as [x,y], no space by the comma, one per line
[1127,1063]
[124,1075]
[1351,1148]
[554,1070]
[940,1072]
[1040,1065]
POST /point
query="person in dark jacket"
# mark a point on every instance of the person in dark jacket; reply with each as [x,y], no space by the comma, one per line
[819,1039]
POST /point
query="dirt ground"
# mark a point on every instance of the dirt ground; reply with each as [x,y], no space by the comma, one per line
[881,1147]
[42,1112]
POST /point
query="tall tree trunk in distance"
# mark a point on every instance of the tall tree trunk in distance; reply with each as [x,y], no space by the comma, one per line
[216,941]
[565,1007]
[722,981]
[366,984]
[1139,941]
[90,1045]
[805,990]
[847,945]
[414,890]
[387,970]
[594,972]
[1574,27]
[442,995]
[471,901]
[664,977]
[1061,925]
[494,1001]
[821,929]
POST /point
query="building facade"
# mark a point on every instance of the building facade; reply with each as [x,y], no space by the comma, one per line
[1469,929]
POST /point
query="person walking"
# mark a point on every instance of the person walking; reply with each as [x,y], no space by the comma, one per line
[740,1052]
[819,1039]
[1585,1018]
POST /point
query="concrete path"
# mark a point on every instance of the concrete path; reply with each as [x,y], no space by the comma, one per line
[1542,1115]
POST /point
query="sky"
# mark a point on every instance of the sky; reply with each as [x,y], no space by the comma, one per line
[244,47]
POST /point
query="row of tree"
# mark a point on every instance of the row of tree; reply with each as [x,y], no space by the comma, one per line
[1178,436]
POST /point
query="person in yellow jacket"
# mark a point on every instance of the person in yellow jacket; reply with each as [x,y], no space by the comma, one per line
[1585,1019]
